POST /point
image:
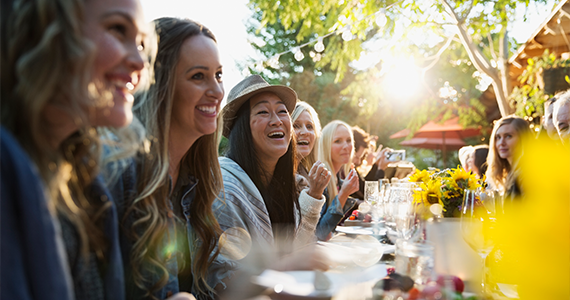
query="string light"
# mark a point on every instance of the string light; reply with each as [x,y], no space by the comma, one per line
[320,46]
[381,18]
[274,62]
[298,54]
[346,35]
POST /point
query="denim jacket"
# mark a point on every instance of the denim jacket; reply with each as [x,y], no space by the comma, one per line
[331,215]
[124,191]
[31,248]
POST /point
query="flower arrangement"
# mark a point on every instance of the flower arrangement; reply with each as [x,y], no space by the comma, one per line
[442,191]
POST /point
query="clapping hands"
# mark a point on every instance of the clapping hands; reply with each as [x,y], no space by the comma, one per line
[318,179]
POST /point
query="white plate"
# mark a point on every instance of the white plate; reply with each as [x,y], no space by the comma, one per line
[361,230]
[300,283]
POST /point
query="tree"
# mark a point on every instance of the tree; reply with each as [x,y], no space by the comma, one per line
[479,25]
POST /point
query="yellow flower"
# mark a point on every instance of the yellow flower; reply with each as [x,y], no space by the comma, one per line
[420,176]
[459,174]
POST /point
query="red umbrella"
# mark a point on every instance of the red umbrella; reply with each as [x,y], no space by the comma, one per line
[434,143]
[444,136]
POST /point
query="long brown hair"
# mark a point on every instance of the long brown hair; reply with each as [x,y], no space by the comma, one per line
[154,108]
[46,60]
[498,169]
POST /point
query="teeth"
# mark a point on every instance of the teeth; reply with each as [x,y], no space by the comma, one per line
[276,134]
[303,142]
[207,109]
[123,84]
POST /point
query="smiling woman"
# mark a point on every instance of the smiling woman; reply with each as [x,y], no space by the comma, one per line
[61,78]
[260,200]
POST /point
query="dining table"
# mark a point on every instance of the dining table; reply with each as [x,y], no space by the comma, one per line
[361,256]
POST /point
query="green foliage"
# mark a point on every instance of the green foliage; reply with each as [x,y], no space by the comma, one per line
[530,97]
[338,91]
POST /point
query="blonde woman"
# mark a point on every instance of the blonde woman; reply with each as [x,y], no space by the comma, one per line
[311,172]
[503,156]
[335,151]
[167,198]
[64,72]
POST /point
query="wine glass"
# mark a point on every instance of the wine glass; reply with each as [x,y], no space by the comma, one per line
[477,222]
[371,192]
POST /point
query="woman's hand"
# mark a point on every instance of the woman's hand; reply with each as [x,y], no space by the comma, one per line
[381,159]
[319,177]
[349,186]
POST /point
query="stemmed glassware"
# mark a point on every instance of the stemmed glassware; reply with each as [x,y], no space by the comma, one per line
[477,222]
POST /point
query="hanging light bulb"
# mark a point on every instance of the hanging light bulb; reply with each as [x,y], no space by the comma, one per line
[274,62]
[298,54]
[347,35]
[319,46]
[381,18]
[312,54]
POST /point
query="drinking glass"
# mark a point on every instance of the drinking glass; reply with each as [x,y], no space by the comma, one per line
[371,192]
[477,222]
[415,260]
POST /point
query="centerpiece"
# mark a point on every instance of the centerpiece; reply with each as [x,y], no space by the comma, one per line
[440,193]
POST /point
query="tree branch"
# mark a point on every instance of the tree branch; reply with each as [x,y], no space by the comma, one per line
[492,46]
[462,20]
[437,55]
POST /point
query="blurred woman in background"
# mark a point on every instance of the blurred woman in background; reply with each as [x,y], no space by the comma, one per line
[503,157]
[478,160]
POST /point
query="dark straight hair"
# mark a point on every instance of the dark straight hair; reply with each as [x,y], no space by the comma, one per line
[280,195]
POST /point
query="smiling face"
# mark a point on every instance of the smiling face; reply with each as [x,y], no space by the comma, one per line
[270,125]
[506,139]
[305,132]
[116,29]
[341,147]
[562,121]
[198,90]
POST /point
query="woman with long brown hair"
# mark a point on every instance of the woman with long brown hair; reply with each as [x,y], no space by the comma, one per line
[503,157]
[178,177]
[67,68]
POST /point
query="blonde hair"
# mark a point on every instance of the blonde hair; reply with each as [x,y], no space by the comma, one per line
[151,205]
[499,171]
[325,148]
[301,107]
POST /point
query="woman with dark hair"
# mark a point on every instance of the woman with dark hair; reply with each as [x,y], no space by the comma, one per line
[478,160]
[260,205]
[166,196]
[505,141]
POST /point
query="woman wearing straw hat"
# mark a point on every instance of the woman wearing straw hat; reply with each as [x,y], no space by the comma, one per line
[261,206]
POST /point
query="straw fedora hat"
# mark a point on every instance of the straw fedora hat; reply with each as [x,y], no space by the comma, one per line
[246,89]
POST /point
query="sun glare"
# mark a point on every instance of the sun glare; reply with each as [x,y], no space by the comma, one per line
[402,78]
